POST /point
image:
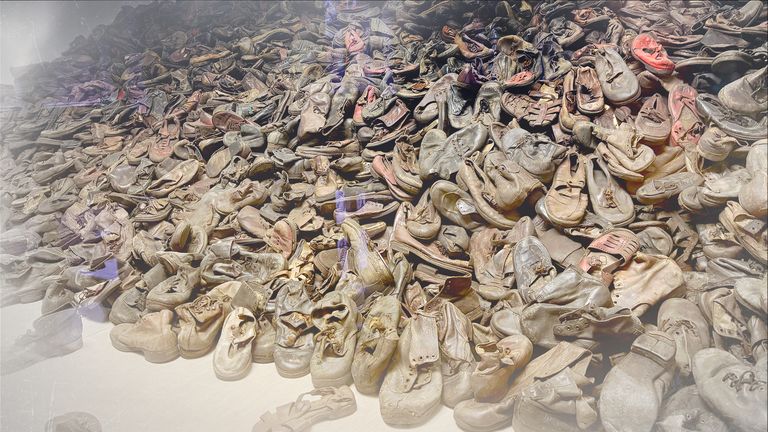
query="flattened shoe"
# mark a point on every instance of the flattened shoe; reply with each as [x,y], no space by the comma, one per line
[634,388]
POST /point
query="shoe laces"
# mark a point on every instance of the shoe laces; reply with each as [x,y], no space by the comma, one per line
[747,380]
[610,199]
[653,114]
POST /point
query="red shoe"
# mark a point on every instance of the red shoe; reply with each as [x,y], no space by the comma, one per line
[369,95]
[652,54]
[686,125]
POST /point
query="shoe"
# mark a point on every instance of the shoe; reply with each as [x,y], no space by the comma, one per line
[364,261]
[441,156]
[620,86]
[477,416]
[752,195]
[749,293]
[536,153]
[569,113]
[334,403]
[664,188]
[736,125]
[653,123]
[571,411]
[684,408]
[427,109]
[750,231]
[294,343]
[566,201]
[608,252]
[174,291]
[715,145]
[731,388]
[533,268]
[412,387]
[498,362]
[456,360]
[335,317]
[683,320]
[232,356]
[400,240]
[634,388]
[747,95]
[455,204]
[423,221]
[652,54]
[513,184]
[609,200]
[471,177]
[589,94]
[151,335]
[376,344]
[645,281]
[199,324]
[686,126]
[487,108]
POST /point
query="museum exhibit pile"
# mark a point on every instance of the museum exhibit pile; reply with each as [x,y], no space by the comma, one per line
[546,215]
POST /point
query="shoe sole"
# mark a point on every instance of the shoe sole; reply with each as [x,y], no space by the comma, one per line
[332,382]
[400,420]
[401,247]
[292,375]
[150,356]
[193,354]
[263,359]
[468,428]
[232,376]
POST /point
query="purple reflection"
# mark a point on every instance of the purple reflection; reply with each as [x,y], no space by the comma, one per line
[109,271]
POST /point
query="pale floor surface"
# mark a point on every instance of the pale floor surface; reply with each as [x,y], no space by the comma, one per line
[128,394]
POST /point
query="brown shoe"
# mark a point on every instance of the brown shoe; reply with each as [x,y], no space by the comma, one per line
[423,221]
[455,204]
[401,240]
[645,281]
[664,188]
[566,202]
[653,122]
[513,184]
[498,361]
[609,200]
[471,177]
[533,267]
[589,95]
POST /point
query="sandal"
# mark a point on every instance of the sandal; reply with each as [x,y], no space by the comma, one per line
[609,252]
[334,403]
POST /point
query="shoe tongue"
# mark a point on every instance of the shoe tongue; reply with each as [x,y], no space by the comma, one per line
[424,347]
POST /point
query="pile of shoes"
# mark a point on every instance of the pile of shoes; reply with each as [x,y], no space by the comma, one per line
[550,215]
